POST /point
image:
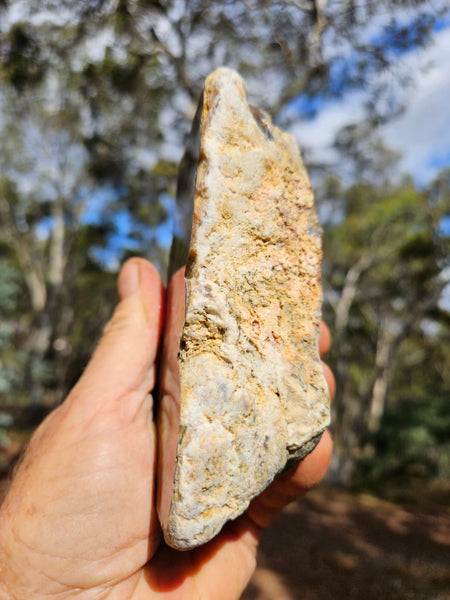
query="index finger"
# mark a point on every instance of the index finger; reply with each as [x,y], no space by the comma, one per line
[324,339]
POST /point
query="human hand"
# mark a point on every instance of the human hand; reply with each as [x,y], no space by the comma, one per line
[79,520]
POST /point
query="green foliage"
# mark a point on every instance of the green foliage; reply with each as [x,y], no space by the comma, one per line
[411,446]
[385,287]
[21,61]
[9,286]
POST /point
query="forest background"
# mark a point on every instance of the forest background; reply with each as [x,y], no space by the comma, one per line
[96,100]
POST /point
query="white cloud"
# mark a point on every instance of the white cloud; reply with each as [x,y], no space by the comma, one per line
[318,134]
[422,133]
[23,11]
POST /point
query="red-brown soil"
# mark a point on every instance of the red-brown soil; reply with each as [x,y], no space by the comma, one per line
[332,545]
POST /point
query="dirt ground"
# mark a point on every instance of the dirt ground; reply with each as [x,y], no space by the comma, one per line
[333,545]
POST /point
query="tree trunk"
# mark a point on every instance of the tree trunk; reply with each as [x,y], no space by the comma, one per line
[344,410]
[384,360]
[47,318]
[349,291]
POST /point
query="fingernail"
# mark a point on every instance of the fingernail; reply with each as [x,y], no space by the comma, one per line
[130,281]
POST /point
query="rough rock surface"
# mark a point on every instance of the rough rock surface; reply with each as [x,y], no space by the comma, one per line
[253,394]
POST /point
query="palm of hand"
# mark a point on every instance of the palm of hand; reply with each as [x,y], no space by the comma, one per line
[80,519]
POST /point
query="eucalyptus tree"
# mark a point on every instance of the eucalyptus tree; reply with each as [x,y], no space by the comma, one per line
[387,291]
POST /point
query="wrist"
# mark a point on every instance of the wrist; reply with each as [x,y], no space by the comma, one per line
[14,563]
[5,568]
[4,594]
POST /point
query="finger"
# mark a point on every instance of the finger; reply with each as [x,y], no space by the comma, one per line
[311,470]
[124,359]
[308,473]
[329,377]
[324,339]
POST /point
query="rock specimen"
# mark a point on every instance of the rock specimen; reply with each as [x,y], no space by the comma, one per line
[252,391]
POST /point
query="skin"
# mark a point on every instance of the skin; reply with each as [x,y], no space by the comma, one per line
[79,520]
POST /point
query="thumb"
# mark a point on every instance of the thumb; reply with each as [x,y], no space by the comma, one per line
[124,361]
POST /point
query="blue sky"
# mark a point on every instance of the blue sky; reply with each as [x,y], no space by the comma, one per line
[421,134]
[126,227]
